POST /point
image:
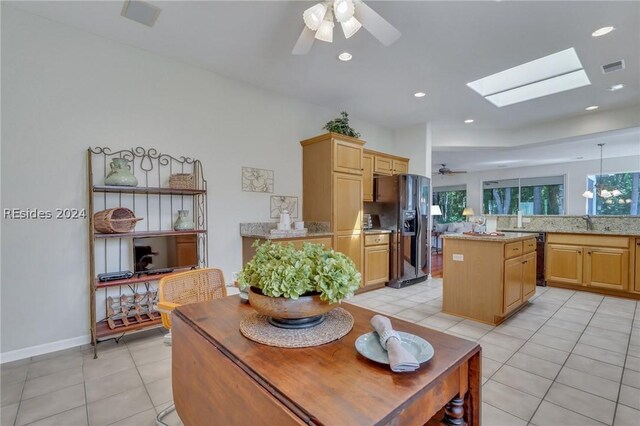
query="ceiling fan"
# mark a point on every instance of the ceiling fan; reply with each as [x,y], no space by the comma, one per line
[351,14]
[444,170]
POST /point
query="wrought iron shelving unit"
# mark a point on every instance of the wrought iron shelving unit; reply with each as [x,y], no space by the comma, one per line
[157,204]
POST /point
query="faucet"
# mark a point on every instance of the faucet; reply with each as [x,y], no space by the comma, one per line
[587,218]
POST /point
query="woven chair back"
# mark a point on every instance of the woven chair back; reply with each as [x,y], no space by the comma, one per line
[200,285]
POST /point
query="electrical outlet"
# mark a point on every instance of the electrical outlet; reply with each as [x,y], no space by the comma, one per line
[458,257]
[526,220]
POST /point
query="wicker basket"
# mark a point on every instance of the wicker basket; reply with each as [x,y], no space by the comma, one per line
[115,221]
[182,181]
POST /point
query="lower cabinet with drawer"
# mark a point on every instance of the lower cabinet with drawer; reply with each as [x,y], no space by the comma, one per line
[376,260]
[590,262]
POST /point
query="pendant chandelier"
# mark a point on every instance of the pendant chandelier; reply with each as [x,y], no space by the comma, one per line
[600,189]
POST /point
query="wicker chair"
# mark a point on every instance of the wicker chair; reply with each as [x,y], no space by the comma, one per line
[195,286]
[199,285]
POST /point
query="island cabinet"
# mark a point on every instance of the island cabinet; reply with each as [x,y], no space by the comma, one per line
[332,189]
[592,262]
[487,278]
[637,266]
[376,260]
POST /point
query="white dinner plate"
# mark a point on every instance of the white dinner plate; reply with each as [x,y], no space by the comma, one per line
[368,345]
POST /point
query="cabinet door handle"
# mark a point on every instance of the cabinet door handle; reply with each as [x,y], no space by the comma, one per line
[589,252]
[579,251]
[516,249]
[524,262]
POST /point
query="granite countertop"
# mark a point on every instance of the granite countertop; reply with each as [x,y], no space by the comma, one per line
[377,231]
[507,237]
[269,236]
[622,233]
[263,230]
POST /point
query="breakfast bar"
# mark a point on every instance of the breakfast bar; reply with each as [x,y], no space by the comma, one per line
[488,277]
[219,374]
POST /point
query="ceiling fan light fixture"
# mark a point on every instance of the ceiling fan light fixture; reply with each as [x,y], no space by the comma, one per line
[325,31]
[314,16]
[343,10]
[602,31]
[350,27]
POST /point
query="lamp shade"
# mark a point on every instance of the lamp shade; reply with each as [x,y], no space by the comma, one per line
[343,10]
[468,211]
[350,27]
[314,16]
[435,210]
[325,31]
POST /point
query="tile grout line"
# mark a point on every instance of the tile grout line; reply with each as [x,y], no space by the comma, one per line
[624,367]
[563,366]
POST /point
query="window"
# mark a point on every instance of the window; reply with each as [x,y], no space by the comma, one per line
[452,201]
[539,196]
[627,202]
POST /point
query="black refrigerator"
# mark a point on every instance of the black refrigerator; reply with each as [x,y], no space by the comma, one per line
[402,203]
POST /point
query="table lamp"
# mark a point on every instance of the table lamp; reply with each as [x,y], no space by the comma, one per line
[435,210]
[468,211]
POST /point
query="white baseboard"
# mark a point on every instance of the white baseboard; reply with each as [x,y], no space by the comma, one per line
[43,349]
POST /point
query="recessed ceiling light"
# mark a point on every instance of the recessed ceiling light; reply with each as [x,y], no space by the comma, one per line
[602,31]
[616,87]
[345,56]
[558,72]
[469,121]
[592,108]
[419,94]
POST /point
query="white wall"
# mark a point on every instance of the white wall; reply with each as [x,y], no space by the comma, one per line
[576,177]
[65,90]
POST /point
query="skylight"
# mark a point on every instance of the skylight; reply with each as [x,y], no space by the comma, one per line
[551,74]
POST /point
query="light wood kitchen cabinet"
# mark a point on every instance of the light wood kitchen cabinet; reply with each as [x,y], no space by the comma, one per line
[564,264]
[512,283]
[332,189]
[519,275]
[606,267]
[367,177]
[592,262]
[347,217]
[637,266]
[529,275]
[387,165]
[347,157]
[382,165]
[400,167]
[376,260]
[483,280]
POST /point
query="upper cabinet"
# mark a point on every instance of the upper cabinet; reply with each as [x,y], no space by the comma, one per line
[400,166]
[379,164]
[347,156]
[367,177]
[383,165]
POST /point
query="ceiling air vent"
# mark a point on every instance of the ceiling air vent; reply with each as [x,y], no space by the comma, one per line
[141,12]
[613,66]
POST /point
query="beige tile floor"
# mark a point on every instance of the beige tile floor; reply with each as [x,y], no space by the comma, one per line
[568,358]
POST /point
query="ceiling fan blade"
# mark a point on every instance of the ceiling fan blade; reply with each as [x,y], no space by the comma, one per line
[304,43]
[386,33]
[457,172]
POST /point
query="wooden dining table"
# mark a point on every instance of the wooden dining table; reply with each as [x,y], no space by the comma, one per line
[221,377]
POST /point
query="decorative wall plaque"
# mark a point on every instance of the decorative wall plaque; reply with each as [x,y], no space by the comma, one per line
[279,203]
[257,180]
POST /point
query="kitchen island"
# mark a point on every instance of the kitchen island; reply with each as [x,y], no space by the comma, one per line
[488,277]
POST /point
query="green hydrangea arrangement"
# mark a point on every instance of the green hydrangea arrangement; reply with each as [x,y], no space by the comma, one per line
[279,270]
